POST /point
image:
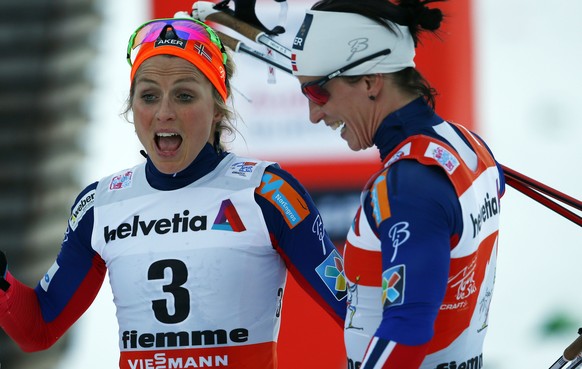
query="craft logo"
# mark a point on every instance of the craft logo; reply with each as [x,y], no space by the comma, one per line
[331,272]
[393,285]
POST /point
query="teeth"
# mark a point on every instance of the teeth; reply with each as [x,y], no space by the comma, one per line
[336,125]
[164,134]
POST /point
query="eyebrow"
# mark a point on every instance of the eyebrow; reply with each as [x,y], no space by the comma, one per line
[196,79]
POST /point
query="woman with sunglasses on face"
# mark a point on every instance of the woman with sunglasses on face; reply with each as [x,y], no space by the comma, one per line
[197,241]
[421,253]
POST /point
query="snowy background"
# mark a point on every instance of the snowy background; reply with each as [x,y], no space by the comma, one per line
[528,77]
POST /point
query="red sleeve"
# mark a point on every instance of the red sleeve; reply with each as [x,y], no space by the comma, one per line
[22,319]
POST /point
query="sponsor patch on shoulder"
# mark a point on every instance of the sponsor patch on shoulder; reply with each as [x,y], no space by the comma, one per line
[284,197]
[404,151]
[331,272]
[121,181]
[442,156]
[46,280]
[241,169]
[80,208]
[379,198]
[393,285]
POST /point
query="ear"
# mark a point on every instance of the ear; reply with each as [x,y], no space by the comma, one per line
[217,115]
[374,83]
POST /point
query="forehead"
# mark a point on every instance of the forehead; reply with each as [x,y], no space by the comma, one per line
[165,66]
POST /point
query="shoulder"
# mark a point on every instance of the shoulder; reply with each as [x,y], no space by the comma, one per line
[410,176]
[285,195]
[82,205]
[275,171]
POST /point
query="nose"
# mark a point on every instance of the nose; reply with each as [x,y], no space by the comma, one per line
[166,111]
[316,114]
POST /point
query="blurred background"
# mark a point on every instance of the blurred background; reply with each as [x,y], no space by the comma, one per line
[508,69]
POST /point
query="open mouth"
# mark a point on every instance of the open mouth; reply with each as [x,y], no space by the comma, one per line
[337,124]
[168,142]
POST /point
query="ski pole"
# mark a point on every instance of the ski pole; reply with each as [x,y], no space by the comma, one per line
[536,191]
[571,354]
[238,46]
[206,10]
[577,204]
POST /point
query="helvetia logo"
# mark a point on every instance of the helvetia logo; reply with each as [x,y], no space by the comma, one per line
[138,227]
[489,209]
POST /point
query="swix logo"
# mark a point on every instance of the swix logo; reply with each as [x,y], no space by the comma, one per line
[488,209]
[178,223]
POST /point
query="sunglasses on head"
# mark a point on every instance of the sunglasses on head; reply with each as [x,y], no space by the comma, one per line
[185,29]
[314,90]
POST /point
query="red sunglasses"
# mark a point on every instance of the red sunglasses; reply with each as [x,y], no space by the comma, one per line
[314,90]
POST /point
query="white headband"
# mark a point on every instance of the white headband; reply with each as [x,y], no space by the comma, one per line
[327,41]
